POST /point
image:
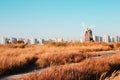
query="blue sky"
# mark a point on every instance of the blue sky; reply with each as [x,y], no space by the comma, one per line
[58,18]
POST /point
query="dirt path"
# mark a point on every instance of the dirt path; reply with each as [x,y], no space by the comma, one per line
[100,53]
[18,76]
[105,53]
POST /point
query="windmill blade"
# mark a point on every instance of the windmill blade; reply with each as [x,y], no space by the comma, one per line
[82,35]
[92,26]
[84,25]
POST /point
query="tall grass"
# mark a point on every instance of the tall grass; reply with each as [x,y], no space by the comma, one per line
[17,57]
[89,69]
[52,59]
[114,76]
[12,46]
[14,63]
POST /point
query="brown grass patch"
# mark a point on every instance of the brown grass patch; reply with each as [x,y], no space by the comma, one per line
[14,64]
[52,59]
[89,69]
[15,57]
[114,76]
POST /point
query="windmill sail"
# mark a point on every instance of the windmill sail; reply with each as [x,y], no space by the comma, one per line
[88,32]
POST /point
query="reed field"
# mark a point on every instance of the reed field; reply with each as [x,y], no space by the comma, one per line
[89,69]
[59,60]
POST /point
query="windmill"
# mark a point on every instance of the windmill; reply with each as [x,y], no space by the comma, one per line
[88,37]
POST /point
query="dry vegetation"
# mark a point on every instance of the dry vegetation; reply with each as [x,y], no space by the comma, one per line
[114,76]
[89,69]
[15,60]
[46,60]
[64,61]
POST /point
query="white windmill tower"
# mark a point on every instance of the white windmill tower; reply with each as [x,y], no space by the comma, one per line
[88,37]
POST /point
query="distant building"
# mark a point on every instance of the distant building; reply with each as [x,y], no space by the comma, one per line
[12,40]
[116,38]
[4,40]
[26,41]
[33,41]
[106,38]
[119,39]
[41,41]
[56,40]
[112,39]
[96,38]
[60,40]
[100,39]
[20,39]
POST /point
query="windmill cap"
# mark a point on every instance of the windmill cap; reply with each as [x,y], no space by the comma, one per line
[88,29]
